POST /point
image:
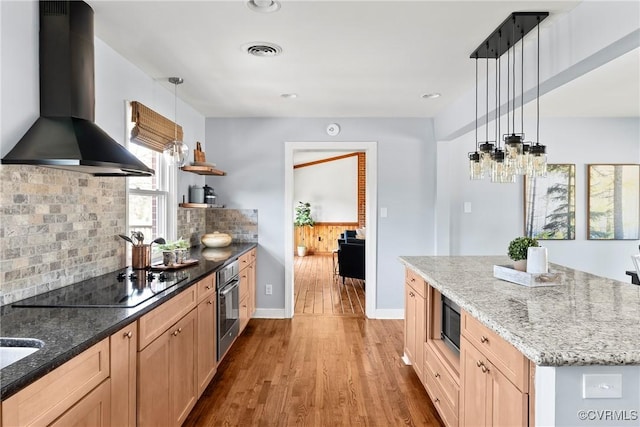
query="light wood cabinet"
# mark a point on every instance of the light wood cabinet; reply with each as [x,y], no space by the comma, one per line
[247,287]
[415,321]
[207,363]
[167,375]
[123,346]
[45,400]
[489,397]
[92,410]
[156,322]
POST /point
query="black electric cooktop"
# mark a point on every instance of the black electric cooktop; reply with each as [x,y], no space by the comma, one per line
[126,288]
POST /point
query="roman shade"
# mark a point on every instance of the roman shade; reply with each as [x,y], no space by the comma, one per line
[152,130]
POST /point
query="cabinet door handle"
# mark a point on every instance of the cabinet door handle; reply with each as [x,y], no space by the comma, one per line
[436,400]
[484,339]
[484,369]
[128,334]
[411,294]
[479,363]
[175,333]
[209,302]
[207,287]
[437,375]
[413,279]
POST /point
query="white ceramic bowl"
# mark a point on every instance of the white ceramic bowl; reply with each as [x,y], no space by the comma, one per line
[216,240]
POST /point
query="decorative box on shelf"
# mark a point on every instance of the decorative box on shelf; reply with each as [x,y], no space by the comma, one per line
[523,278]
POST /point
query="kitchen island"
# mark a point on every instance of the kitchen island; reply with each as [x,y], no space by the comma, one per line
[587,325]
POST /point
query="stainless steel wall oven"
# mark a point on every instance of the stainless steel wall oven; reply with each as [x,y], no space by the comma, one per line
[228,322]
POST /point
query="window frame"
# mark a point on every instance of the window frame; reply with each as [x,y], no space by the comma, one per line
[166,189]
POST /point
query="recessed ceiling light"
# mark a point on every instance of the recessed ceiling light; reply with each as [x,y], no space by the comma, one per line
[289,95]
[433,95]
[264,6]
[262,49]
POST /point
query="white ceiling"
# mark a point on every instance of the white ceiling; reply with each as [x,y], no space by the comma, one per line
[342,58]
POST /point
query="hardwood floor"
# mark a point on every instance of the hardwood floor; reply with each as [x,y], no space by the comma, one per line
[318,291]
[316,371]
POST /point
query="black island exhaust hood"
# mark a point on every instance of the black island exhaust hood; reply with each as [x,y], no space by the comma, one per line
[65,135]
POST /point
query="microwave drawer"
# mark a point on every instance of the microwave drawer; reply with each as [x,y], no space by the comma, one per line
[508,359]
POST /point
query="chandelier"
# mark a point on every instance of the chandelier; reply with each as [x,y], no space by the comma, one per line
[505,157]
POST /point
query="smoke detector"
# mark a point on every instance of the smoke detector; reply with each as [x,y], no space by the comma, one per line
[262,49]
[264,6]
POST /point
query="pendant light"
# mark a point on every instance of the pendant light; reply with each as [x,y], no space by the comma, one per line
[475,167]
[537,164]
[176,151]
[517,157]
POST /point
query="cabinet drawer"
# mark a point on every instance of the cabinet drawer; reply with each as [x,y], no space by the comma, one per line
[153,324]
[206,287]
[246,258]
[243,287]
[449,415]
[435,369]
[46,399]
[414,280]
[513,364]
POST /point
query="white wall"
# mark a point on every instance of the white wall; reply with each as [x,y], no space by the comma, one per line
[331,188]
[251,151]
[497,209]
[116,80]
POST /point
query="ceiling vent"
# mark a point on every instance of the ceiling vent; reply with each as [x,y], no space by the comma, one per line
[263,49]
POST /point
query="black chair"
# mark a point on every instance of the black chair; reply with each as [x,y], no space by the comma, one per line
[351,260]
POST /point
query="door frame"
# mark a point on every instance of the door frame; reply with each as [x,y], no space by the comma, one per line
[371,191]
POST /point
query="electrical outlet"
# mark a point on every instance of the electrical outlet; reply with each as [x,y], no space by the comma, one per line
[268,289]
[601,386]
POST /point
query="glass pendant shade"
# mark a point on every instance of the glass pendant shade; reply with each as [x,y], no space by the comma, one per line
[538,160]
[175,153]
[486,157]
[475,167]
[500,170]
[513,146]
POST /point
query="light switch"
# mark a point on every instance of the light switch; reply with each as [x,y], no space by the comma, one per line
[601,386]
[383,212]
[467,207]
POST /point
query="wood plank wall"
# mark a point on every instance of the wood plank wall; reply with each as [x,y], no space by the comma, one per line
[322,238]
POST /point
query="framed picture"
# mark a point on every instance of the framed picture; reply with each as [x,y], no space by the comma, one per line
[613,203]
[550,204]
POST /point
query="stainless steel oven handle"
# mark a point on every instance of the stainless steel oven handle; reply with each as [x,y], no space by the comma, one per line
[229,288]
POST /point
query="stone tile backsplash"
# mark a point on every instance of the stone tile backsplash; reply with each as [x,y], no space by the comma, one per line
[59,227]
[241,224]
[56,228]
[191,224]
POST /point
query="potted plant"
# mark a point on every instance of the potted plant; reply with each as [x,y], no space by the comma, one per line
[517,251]
[303,219]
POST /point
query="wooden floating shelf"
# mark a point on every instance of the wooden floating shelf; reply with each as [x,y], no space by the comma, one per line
[203,170]
[199,205]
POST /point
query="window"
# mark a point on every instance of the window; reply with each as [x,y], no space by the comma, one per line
[150,198]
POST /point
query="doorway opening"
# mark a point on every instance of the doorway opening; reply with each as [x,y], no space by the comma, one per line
[349,294]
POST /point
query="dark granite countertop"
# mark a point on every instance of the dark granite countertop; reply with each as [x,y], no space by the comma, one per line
[66,332]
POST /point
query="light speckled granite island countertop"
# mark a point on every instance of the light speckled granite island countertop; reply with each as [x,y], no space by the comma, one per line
[587,320]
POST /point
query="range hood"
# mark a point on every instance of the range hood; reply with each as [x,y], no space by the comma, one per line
[65,135]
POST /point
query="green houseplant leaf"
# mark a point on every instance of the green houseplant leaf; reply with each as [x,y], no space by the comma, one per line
[303,216]
[518,247]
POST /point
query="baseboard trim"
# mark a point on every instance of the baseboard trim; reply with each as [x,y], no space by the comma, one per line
[269,313]
[389,313]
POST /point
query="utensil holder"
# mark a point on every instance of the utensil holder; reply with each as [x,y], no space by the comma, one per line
[140,256]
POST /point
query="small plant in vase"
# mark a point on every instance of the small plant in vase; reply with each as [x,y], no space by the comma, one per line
[303,219]
[517,251]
